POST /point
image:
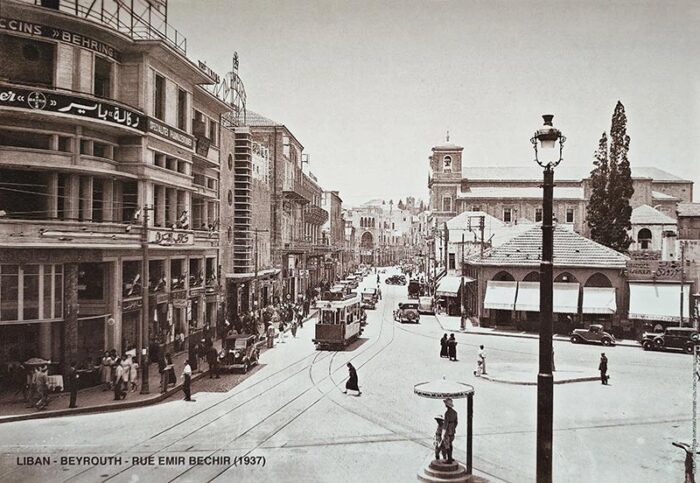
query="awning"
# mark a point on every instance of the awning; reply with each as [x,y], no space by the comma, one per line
[599,300]
[528,297]
[449,285]
[658,301]
[565,298]
[500,295]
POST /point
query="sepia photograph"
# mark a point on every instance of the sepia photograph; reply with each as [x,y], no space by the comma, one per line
[245,241]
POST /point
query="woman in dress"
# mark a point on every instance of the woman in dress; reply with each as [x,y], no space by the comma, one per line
[106,371]
[352,384]
[133,374]
[443,346]
[172,378]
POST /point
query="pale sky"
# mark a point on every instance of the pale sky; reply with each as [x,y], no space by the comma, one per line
[368,87]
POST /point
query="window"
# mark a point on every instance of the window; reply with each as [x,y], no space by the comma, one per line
[27,61]
[644,238]
[447,165]
[451,261]
[159,97]
[230,197]
[507,215]
[37,302]
[103,77]
[214,132]
[447,203]
[181,109]
[230,162]
[538,214]
[569,215]
[476,208]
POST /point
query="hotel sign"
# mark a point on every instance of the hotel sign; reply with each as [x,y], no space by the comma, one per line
[50,101]
[170,133]
[39,30]
[170,237]
[653,270]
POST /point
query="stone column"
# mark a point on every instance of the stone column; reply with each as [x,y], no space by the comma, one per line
[72,196]
[85,198]
[52,198]
[118,205]
[108,200]
[172,206]
[160,193]
[70,313]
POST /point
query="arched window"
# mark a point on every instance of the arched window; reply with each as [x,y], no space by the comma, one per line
[644,238]
[598,280]
[504,277]
[447,164]
[565,277]
[446,203]
[532,277]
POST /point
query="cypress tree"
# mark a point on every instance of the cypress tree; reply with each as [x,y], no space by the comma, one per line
[597,212]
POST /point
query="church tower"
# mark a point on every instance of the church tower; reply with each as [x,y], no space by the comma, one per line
[444,179]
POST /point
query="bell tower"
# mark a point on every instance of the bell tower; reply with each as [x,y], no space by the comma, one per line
[444,179]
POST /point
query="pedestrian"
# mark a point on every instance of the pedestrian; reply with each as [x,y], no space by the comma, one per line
[133,374]
[443,346]
[479,371]
[300,316]
[118,380]
[126,376]
[213,361]
[293,328]
[73,384]
[603,368]
[452,347]
[307,306]
[172,378]
[163,370]
[202,354]
[437,443]
[352,384]
[482,358]
[689,472]
[270,336]
[282,328]
[187,380]
[451,421]
[42,387]
[192,356]
[106,371]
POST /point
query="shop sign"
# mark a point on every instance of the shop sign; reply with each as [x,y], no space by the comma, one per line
[45,31]
[645,254]
[170,237]
[132,305]
[180,304]
[653,270]
[162,298]
[178,295]
[202,146]
[196,291]
[80,106]
[170,133]
[208,71]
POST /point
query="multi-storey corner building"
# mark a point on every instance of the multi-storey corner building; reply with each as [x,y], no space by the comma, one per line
[103,123]
[333,235]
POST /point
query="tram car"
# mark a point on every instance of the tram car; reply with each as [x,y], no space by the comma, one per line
[339,322]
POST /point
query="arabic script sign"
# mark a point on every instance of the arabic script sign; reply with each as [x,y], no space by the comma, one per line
[170,133]
[50,101]
[653,270]
[40,30]
[170,237]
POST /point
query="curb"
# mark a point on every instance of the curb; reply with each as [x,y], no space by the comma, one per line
[531,383]
[495,333]
[106,407]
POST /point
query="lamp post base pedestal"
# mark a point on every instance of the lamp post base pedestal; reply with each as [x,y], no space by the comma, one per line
[435,471]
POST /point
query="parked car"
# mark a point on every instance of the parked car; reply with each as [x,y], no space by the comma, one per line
[594,334]
[684,338]
[239,352]
[395,280]
[407,312]
[425,305]
[414,289]
[369,298]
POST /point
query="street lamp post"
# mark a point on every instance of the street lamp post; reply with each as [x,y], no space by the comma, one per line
[547,136]
[143,335]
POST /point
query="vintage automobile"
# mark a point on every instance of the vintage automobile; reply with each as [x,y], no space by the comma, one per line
[395,280]
[684,338]
[407,312]
[594,334]
[414,289]
[370,296]
[239,352]
[425,305]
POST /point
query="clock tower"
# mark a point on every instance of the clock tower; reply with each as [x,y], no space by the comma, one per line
[444,179]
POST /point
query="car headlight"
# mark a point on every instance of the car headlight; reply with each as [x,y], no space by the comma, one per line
[236,354]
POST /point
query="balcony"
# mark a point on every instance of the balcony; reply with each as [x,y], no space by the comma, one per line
[67,234]
[295,190]
[315,215]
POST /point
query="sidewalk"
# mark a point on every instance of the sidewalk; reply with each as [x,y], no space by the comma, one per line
[526,374]
[93,399]
[452,323]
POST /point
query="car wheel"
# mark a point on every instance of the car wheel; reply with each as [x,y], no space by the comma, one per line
[245,368]
[689,348]
[575,339]
[658,343]
[606,341]
[646,345]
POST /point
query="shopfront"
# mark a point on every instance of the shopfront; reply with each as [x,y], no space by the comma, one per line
[499,299]
[656,305]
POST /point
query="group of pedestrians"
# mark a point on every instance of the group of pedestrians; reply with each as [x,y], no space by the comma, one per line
[448,350]
[445,433]
[118,374]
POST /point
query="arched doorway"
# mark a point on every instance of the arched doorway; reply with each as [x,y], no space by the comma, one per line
[644,239]
[366,248]
[595,286]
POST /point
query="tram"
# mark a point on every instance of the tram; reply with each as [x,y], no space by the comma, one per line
[339,322]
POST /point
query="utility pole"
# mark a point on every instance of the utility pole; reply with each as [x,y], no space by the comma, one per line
[682,278]
[696,375]
[143,336]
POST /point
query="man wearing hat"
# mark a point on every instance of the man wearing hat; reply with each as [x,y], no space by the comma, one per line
[450,428]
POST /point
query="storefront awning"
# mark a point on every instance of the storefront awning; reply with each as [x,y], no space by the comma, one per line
[566,298]
[449,285]
[500,295]
[528,297]
[658,301]
[599,300]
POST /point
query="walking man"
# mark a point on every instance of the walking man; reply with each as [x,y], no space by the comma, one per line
[603,368]
[482,358]
[42,385]
[73,383]
[162,369]
[187,383]
[213,361]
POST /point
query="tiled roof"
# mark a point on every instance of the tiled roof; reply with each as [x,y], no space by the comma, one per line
[688,209]
[646,215]
[570,250]
[532,172]
[658,195]
[560,193]
[255,119]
